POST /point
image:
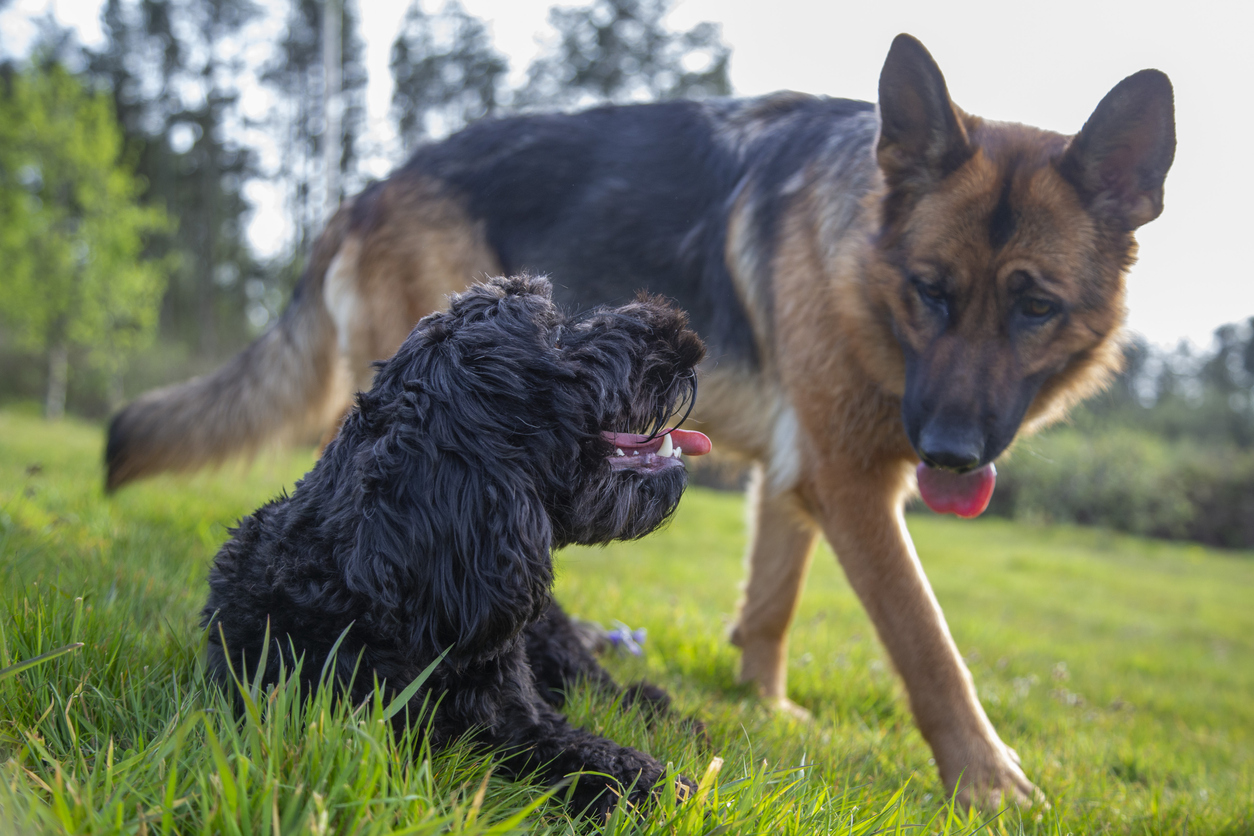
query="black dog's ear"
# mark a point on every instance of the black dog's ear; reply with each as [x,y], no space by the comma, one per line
[1120,158]
[921,138]
[448,541]
[451,534]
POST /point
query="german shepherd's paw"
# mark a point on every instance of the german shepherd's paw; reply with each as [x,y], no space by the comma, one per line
[994,781]
[785,707]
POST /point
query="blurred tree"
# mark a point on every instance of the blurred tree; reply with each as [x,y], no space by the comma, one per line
[1227,381]
[296,75]
[1247,352]
[621,51]
[177,70]
[1183,394]
[445,71]
[72,229]
[1226,369]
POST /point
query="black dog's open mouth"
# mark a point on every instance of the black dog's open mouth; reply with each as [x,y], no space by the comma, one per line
[651,454]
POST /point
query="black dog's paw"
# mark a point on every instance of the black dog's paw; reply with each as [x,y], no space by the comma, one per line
[634,778]
[594,795]
[655,703]
[697,730]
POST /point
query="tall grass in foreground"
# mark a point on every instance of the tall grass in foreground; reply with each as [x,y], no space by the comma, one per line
[163,752]
[1121,670]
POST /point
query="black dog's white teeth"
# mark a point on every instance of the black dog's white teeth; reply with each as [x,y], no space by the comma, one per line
[667,448]
[618,451]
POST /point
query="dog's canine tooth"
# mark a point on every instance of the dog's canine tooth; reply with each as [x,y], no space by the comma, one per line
[618,451]
[667,447]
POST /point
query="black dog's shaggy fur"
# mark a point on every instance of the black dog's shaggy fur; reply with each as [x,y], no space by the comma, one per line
[428,525]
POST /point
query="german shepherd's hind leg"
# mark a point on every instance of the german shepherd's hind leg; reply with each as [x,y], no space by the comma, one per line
[862,515]
[781,546]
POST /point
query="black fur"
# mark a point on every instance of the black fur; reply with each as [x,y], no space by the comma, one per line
[648,213]
[428,525]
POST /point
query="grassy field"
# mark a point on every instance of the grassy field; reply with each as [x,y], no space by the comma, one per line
[1121,669]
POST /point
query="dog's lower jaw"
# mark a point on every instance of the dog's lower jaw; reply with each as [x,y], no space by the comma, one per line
[620,505]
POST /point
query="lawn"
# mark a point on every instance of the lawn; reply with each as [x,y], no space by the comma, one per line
[1121,669]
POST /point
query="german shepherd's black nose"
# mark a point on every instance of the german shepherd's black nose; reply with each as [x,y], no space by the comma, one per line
[950,445]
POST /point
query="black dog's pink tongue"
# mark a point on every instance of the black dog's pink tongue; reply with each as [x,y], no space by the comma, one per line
[964,494]
[692,442]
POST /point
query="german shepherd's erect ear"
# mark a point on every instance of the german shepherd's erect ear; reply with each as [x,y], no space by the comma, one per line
[921,139]
[1119,159]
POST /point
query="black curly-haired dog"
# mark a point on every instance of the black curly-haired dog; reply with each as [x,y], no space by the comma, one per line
[500,430]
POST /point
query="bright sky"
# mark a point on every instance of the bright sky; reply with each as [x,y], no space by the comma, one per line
[1047,65]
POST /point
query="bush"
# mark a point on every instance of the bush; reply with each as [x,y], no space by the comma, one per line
[1131,481]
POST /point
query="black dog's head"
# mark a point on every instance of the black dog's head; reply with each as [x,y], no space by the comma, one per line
[501,429]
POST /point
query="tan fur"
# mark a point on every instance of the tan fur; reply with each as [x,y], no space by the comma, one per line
[422,247]
[841,313]
[289,385]
[782,542]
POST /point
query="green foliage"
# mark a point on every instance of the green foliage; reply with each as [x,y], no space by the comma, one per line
[1119,668]
[177,74]
[1133,481]
[72,230]
[1167,451]
[1182,395]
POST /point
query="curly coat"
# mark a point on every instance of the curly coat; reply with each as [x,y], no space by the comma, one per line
[429,524]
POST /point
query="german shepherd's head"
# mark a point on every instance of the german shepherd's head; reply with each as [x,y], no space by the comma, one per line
[1001,252]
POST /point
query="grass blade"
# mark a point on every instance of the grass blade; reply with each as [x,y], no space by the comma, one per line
[402,699]
[15,669]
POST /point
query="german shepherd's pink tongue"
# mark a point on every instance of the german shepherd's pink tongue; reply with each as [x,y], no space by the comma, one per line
[964,494]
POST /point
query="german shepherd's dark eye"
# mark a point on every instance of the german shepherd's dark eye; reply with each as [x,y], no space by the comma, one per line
[933,294]
[1038,309]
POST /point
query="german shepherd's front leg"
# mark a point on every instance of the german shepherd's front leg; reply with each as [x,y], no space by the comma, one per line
[781,544]
[861,513]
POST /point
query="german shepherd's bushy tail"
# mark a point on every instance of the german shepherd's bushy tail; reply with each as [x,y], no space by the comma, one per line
[287,385]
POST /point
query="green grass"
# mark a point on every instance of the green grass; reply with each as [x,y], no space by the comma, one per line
[1121,669]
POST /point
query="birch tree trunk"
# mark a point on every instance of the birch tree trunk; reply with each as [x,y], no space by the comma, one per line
[332,67]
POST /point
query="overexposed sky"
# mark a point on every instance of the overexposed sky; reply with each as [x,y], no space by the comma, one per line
[1044,64]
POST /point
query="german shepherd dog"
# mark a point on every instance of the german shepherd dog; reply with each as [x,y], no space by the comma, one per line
[884,292]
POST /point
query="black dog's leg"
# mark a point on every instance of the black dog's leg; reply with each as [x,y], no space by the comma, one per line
[502,707]
[560,657]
